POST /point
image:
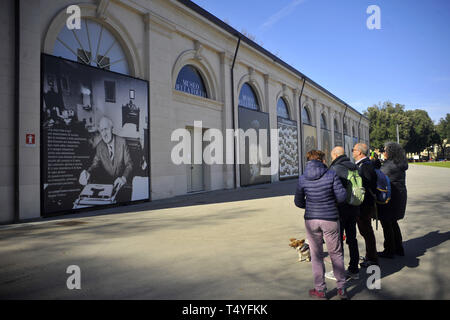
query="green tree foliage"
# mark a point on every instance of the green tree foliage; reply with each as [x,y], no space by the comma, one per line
[443,127]
[383,120]
[421,131]
[442,133]
[416,129]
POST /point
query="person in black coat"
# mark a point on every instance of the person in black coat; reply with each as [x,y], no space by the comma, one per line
[364,221]
[395,168]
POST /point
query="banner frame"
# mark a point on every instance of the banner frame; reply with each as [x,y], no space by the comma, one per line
[43,213]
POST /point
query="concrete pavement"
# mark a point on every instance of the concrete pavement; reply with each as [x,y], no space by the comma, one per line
[230,244]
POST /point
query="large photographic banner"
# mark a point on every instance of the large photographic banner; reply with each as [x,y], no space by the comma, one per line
[288,148]
[251,173]
[348,140]
[326,144]
[338,139]
[310,139]
[95,137]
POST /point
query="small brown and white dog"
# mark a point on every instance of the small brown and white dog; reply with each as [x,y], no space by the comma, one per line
[302,248]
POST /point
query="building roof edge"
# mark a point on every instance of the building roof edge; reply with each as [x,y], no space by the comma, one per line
[209,16]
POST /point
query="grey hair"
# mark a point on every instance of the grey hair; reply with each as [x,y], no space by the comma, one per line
[363,148]
[108,120]
[395,152]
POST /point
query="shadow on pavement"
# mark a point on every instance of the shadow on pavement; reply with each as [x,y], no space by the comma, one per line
[414,249]
[261,191]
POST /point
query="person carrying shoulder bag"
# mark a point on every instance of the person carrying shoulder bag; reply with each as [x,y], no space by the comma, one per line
[367,172]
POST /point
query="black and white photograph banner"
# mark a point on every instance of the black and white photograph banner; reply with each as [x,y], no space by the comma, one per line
[348,140]
[251,173]
[326,144]
[338,139]
[95,137]
[288,148]
[310,139]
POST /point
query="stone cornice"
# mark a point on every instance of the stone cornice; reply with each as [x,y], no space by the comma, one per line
[159,24]
[184,97]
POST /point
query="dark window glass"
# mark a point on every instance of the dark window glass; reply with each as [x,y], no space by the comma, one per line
[83,56]
[190,81]
[306,118]
[282,110]
[247,98]
[323,122]
[345,129]
[353,131]
[103,62]
[110,91]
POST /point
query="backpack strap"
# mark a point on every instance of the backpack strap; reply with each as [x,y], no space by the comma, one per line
[375,209]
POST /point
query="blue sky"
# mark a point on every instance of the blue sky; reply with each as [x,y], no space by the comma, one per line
[407,61]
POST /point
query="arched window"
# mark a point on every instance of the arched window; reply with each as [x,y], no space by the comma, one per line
[323,122]
[353,131]
[336,126]
[282,110]
[190,81]
[247,98]
[92,44]
[306,118]
[345,129]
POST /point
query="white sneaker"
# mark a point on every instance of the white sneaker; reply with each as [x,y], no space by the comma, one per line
[348,276]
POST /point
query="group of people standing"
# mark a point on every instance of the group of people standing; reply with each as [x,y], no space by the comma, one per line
[322,192]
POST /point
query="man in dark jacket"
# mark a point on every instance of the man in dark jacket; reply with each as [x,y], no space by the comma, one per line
[317,192]
[347,213]
[369,178]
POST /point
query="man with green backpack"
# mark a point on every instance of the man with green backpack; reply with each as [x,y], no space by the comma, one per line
[348,211]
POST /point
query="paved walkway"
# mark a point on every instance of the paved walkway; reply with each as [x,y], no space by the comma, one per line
[230,244]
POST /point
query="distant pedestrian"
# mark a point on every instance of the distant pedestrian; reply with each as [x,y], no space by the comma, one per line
[317,192]
[364,220]
[395,168]
[376,161]
[347,213]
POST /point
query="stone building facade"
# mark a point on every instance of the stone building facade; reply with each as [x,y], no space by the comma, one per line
[154,40]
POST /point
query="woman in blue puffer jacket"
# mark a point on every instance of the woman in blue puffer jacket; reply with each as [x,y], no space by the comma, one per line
[318,191]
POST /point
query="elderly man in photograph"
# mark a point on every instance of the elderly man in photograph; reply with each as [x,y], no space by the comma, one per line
[112,159]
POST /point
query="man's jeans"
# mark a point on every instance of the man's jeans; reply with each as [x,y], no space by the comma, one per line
[316,231]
